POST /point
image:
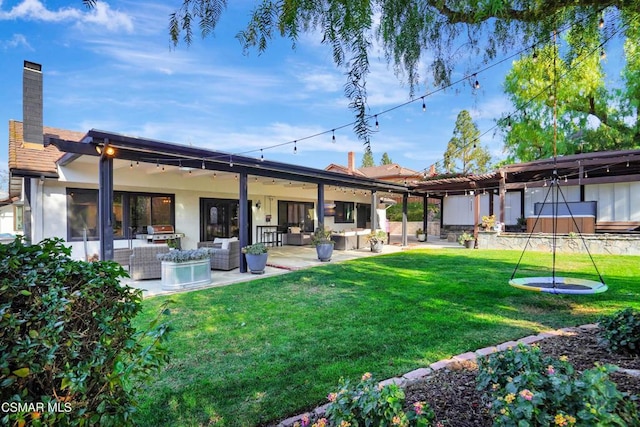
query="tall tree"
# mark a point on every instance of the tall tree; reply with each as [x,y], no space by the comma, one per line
[413,33]
[464,153]
[385,160]
[564,105]
[367,159]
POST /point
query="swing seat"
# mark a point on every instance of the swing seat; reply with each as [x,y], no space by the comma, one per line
[559,285]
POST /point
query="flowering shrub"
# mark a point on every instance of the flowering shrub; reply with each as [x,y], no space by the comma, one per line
[184,256]
[526,388]
[621,331]
[370,404]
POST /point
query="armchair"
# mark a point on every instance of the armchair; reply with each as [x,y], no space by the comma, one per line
[224,255]
[144,263]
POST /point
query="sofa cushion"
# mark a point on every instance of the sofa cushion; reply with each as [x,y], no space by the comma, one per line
[294,230]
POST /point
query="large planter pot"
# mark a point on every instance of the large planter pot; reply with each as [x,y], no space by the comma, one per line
[377,247]
[324,251]
[469,244]
[179,275]
[256,262]
[422,237]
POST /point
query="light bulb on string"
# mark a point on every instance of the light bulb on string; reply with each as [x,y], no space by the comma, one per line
[203,164]
[474,143]
[601,22]
[627,163]
[261,156]
[607,169]
[509,124]
[534,55]
[230,161]
[333,136]
[476,85]
[603,54]
[157,164]
[565,179]
[424,106]
[295,147]
[586,175]
[131,165]
[377,124]
[214,175]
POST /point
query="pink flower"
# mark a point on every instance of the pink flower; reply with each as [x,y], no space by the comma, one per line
[417,407]
[366,376]
[526,394]
[305,420]
[551,370]
[332,397]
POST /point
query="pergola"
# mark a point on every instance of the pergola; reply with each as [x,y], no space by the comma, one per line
[578,169]
[109,146]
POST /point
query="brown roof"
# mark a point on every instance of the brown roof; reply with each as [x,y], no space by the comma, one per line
[343,169]
[27,159]
[392,170]
[388,172]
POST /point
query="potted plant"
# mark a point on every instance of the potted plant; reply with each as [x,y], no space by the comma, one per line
[488,222]
[376,240]
[256,256]
[467,240]
[182,268]
[321,239]
[421,235]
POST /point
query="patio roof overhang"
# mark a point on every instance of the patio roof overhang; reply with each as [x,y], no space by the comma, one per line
[164,153]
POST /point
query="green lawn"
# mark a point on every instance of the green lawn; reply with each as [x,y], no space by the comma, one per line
[263,350]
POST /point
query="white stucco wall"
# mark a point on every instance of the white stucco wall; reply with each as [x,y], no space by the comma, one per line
[188,189]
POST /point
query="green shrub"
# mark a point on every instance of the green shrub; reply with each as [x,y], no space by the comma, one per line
[69,354]
[524,388]
[368,404]
[621,331]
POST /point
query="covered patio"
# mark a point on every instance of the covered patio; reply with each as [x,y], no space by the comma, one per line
[253,182]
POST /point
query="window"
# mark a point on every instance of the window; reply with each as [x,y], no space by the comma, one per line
[132,212]
[295,214]
[344,212]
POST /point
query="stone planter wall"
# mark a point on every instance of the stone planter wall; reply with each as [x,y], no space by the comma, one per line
[617,244]
[433,227]
[180,275]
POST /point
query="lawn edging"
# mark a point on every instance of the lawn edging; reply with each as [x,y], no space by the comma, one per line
[470,356]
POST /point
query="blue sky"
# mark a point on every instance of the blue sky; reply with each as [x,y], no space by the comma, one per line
[113,68]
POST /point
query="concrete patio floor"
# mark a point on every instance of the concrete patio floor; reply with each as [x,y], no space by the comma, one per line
[284,259]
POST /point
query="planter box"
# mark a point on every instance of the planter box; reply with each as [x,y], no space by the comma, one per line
[180,275]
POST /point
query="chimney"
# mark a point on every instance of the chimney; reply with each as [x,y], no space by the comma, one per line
[352,161]
[32,132]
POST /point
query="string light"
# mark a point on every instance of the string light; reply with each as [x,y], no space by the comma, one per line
[509,124]
[203,167]
[627,163]
[137,163]
[131,165]
[424,106]
[261,156]
[477,83]
[586,175]
[157,164]
[534,55]
[607,168]
[603,54]
[295,147]
[333,137]
[377,124]
[230,161]
[601,22]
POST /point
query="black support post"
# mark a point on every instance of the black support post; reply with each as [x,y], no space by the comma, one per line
[243,217]
[105,207]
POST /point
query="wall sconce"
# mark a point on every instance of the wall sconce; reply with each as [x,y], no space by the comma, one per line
[258,204]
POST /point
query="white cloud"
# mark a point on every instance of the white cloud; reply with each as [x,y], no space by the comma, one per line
[101,15]
[15,41]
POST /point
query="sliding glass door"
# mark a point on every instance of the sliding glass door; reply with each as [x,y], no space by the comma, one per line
[220,218]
